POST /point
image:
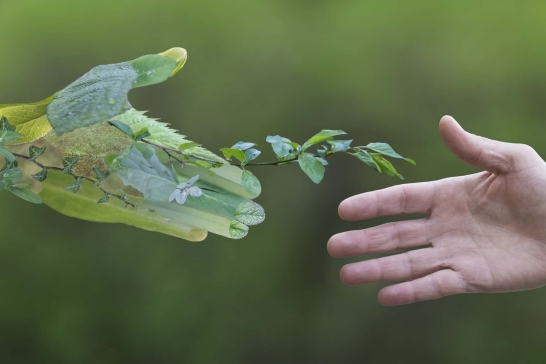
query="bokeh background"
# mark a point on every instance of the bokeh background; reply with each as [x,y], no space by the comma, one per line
[78,292]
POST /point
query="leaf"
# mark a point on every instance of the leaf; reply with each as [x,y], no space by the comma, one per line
[386,166]
[146,174]
[2,186]
[30,120]
[251,183]
[100,174]
[243,146]
[322,160]
[104,199]
[367,158]
[9,165]
[5,125]
[312,167]
[238,230]
[10,158]
[152,69]
[123,127]
[141,134]
[250,213]
[340,145]
[280,145]
[179,55]
[230,152]
[84,206]
[187,146]
[7,137]
[385,149]
[101,94]
[74,187]
[35,152]
[11,176]
[251,154]
[40,176]
[324,135]
[23,192]
[163,135]
[69,163]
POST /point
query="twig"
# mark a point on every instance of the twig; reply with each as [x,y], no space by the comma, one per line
[95,182]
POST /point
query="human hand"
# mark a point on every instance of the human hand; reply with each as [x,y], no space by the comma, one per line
[486,232]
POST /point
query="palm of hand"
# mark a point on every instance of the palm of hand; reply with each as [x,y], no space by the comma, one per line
[490,229]
[487,231]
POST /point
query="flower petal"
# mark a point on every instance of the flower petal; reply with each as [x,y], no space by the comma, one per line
[193,180]
[174,195]
[194,191]
[182,197]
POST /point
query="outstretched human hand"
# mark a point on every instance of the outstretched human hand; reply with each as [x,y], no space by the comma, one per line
[486,232]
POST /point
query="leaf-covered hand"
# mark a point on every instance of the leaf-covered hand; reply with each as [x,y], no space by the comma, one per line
[486,232]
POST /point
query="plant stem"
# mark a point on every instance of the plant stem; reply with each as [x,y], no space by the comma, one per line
[167,149]
[107,193]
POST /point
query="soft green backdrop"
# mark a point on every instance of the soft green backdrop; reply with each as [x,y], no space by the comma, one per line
[78,292]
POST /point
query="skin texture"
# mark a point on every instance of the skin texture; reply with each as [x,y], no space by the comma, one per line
[485,232]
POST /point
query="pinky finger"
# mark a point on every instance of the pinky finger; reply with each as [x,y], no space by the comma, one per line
[439,284]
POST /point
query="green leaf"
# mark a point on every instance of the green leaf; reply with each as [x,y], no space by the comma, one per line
[165,136]
[69,163]
[322,160]
[152,69]
[230,152]
[179,55]
[142,133]
[10,158]
[30,119]
[8,137]
[74,187]
[5,125]
[367,158]
[145,173]
[84,206]
[386,167]
[40,176]
[340,145]
[186,146]
[244,146]
[250,213]
[2,186]
[312,167]
[101,93]
[104,199]
[251,183]
[35,152]
[11,176]
[238,230]
[385,149]
[324,135]
[123,127]
[100,174]
[281,146]
[251,154]
[9,165]
[23,192]
[95,97]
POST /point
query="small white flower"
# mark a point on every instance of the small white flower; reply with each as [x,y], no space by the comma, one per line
[185,190]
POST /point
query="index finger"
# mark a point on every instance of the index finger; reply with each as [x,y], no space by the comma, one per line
[415,198]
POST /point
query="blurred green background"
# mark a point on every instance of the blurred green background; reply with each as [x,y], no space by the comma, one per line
[79,292]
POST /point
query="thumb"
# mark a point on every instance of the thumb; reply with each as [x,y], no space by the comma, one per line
[490,155]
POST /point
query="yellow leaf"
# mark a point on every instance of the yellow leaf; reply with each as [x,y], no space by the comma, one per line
[30,120]
[179,55]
